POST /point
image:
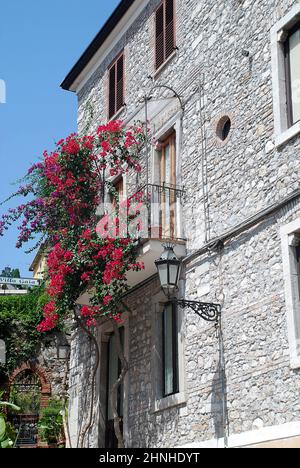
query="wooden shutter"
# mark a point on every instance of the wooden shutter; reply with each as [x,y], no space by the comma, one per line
[159,37]
[120,83]
[112,91]
[116,86]
[169,28]
[165,32]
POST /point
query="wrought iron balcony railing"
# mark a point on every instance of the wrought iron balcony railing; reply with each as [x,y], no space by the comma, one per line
[157,212]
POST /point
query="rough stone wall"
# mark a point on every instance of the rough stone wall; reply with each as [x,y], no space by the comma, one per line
[56,369]
[82,364]
[244,176]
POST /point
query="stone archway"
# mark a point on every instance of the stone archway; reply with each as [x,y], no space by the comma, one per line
[35,369]
[33,391]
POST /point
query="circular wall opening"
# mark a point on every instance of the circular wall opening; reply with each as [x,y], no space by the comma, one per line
[223,128]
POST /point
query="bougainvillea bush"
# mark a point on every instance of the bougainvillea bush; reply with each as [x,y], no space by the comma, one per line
[65,190]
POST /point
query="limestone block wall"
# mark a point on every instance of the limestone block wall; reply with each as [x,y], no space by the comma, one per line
[223,48]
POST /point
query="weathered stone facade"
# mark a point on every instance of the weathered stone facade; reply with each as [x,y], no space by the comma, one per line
[222,67]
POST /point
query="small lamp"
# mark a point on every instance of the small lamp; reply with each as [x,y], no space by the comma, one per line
[169,268]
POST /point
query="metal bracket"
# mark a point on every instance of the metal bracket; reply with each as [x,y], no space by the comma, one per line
[206,310]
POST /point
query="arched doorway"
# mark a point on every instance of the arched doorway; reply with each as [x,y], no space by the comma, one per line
[28,389]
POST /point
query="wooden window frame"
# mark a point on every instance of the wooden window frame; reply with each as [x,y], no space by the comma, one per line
[171,142]
[165,58]
[165,229]
[175,360]
[289,96]
[115,64]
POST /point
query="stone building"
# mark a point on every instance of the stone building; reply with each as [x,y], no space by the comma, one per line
[220,82]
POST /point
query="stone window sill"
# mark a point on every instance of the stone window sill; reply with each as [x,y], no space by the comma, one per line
[287,135]
[118,113]
[169,402]
[166,62]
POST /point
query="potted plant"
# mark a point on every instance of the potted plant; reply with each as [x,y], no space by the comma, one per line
[50,426]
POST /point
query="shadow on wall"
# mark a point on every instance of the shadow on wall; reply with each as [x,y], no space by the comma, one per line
[219,402]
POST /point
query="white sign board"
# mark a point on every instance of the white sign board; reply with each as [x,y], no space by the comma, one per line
[21,281]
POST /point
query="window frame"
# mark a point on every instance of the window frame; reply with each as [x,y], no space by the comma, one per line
[290,238]
[288,78]
[283,130]
[168,229]
[115,64]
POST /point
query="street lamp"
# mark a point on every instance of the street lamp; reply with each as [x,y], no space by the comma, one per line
[169,268]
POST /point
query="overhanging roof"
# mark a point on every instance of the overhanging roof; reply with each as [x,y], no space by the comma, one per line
[97,42]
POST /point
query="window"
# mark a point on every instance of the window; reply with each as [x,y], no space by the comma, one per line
[285,48]
[223,128]
[119,192]
[292,67]
[170,350]
[113,371]
[116,86]
[164,32]
[167,176]
[290,239]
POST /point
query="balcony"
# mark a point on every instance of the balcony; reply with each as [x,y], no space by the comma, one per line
[156,219]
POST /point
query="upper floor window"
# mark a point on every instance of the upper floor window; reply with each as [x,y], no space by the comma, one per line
[292,60]
[285,48]
[164,32]
[118,195]
[116,86]
[167,177]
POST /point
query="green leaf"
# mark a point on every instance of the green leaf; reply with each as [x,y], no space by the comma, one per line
[7,443]
[2,427]
[10,405]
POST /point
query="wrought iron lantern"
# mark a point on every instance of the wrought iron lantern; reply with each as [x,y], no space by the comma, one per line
[169,269]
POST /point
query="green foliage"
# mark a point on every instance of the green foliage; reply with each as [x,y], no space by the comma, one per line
[7,433]
[19,317]
[50,425]
[7,272]
[29,401]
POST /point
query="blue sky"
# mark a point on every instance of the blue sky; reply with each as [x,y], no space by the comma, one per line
[39,43]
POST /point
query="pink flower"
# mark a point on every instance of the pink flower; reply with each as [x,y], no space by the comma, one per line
[107,299]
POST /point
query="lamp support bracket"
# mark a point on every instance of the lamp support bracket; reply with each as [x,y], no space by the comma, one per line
[206,310]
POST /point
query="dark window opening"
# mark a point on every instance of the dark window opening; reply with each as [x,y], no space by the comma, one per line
[170,350]
[223,128]
[226,129]
[113,373]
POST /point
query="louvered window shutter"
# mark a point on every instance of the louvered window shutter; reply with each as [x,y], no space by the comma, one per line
[120,83]
[164,32]
[116,86]
[159,36]
[112,91]
[169,28]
